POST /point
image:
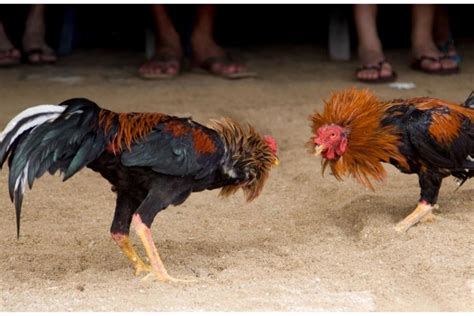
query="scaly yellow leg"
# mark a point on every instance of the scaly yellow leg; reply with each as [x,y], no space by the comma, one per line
[423,213]
[157,267]
[123,242]
[428,218]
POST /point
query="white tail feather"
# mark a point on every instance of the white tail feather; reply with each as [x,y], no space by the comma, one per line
[31,112]
[20,182]
[47,113]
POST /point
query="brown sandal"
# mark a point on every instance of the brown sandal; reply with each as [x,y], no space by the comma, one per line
[164,59]
[377,67]
[41,53]
[8,58]
[417,65]
[225,60]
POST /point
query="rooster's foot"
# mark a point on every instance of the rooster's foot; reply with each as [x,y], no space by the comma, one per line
[422,213]
[141,267]
[165,278]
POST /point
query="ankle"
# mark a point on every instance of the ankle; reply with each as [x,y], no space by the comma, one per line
[422,39]
[425,48]
[370,55]
[33,37]
[34,26]
[169,41]
[201,39]
[4,41]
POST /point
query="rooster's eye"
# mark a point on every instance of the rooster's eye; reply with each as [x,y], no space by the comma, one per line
[333,134]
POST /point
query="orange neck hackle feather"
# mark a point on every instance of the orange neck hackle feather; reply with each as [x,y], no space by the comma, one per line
[131,126]
[369,143]
[248,150]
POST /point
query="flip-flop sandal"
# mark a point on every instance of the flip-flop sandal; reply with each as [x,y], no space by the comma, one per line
[163,58]
[8,60]
[225,60]
[454,70]
[446,47]
[416,65]
[377,67]
[40,52]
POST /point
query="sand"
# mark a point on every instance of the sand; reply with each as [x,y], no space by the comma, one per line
[308,243]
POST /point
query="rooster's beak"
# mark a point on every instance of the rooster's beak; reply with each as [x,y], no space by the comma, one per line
[318,149]
[276,162]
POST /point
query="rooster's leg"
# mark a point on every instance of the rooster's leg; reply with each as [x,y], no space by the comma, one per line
[158,268]
[422,211]
[430,217]
[120,230]
[123,242]
[430,182]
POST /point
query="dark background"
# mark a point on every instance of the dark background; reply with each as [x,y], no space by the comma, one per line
[241,25]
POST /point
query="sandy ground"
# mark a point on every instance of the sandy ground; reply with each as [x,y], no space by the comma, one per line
[307,244]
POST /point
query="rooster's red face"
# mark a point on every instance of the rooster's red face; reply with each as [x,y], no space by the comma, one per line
[330,141]
[271,142]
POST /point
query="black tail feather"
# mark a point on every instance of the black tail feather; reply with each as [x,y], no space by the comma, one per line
[18,203]
[68,142]
[469,103]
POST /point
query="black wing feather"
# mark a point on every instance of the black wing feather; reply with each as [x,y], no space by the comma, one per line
[452,156]
[174,155]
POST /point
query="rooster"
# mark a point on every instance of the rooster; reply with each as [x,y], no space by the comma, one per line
[433,138]
[152,161]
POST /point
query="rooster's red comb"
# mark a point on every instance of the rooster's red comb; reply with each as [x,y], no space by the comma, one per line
[271,142]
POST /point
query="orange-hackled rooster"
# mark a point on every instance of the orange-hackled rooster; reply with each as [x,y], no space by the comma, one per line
[152,161]
[433,138]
